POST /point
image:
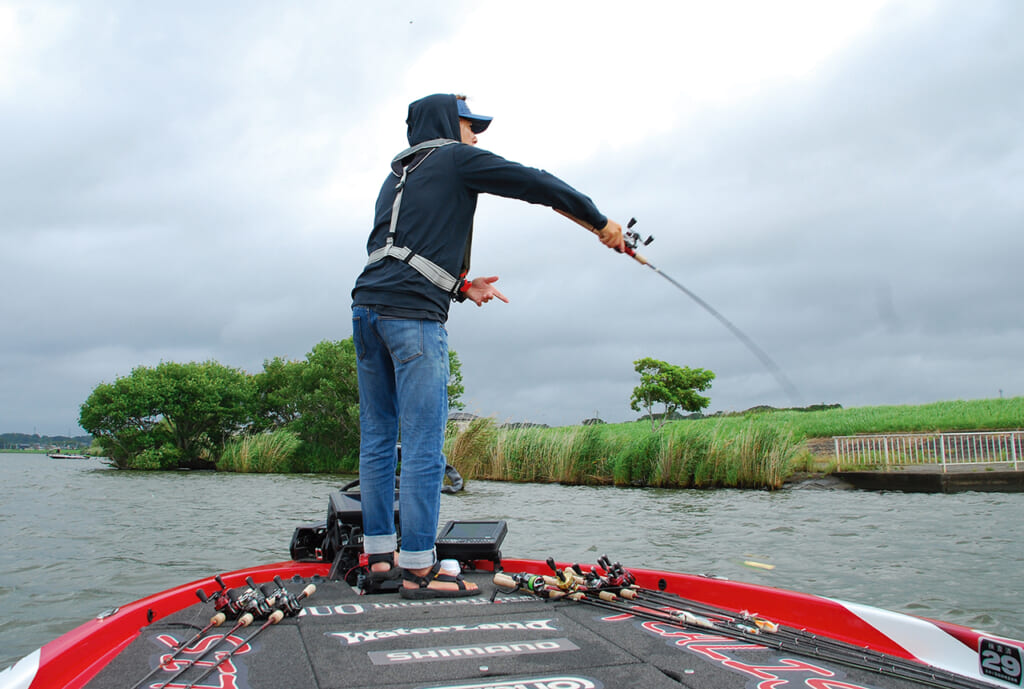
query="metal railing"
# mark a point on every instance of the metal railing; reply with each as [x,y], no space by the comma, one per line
[945,449]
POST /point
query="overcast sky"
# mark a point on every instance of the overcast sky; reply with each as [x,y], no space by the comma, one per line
[843,181]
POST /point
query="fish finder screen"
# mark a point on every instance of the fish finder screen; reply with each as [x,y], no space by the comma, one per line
[472,540]
[474,530]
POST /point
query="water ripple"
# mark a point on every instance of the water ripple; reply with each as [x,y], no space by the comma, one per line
[81,537]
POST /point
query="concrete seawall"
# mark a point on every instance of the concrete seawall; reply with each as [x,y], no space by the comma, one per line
[931,479]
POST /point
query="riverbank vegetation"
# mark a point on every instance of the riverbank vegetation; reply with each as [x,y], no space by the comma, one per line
[302,416]
[959,415]
[23,442]
[699,454]
[755,449]
[293,416]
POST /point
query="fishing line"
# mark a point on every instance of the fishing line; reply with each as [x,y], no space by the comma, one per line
[780,377]
[632,238]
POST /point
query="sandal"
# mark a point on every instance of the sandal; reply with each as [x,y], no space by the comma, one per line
[423,582]
[390,574]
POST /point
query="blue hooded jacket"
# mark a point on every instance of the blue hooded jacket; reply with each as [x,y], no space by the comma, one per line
[436,213]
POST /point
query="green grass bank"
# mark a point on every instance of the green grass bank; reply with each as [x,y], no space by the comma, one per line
[756,449]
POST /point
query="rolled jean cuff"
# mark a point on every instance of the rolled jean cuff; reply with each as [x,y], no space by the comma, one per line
[375,545]
[416,559]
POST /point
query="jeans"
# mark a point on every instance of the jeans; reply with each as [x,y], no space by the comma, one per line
[403,386]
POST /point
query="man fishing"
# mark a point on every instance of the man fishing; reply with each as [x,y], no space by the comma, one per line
[418,264]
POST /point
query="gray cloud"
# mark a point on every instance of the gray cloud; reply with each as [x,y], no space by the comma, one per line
[190,183]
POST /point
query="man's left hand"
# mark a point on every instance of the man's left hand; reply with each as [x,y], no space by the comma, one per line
[482,290]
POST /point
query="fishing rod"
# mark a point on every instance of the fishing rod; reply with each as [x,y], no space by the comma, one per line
[837,652]
[751,623]
[244,621]
[274,618]
[606,591]
[234,602]
[287,605]
[533,583]
[632,240]
[245,603]
[226,604]
[801,639]
[215,621]
[551,587]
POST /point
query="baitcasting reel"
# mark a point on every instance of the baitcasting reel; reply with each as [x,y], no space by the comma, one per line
[632,237]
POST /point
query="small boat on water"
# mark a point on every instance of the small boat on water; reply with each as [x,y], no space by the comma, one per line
[65,455]
[315,622]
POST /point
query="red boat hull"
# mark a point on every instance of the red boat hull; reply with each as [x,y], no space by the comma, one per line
[73,659]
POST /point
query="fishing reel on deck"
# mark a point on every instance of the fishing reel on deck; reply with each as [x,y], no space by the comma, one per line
[258,600]
[234,603]
[616,574]
[284,599]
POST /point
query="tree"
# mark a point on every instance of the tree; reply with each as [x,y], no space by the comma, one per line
[455,386]
[674,386]
[274,403]
[122,417]
[318,399]
[182,414]
[170,416]
[203,405]
[325,391]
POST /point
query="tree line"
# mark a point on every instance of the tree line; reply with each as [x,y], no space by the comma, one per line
[292,416]
[197,415]
[19,441]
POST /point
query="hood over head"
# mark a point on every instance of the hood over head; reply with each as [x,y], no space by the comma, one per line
[433,117]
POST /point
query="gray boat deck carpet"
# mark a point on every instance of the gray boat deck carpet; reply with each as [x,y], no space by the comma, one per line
[345,640]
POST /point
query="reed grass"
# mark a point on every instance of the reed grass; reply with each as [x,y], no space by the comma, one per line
[681,455]
[750,450]
[263,453]
[471,448]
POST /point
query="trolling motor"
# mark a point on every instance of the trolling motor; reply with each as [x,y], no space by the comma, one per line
[338,539]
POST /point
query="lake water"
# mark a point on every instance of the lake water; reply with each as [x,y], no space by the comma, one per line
[79,538]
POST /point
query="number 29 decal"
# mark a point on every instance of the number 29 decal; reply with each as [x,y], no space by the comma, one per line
[1000,660]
